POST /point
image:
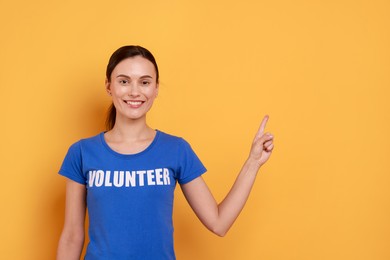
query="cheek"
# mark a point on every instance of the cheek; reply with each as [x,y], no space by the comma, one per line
[152,94]
[118,90]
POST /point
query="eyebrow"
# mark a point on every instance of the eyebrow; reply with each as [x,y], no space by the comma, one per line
[126,76]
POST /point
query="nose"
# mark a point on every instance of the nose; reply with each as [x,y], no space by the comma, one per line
[134,90]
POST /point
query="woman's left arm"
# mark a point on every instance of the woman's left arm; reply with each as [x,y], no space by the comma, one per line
[218,218]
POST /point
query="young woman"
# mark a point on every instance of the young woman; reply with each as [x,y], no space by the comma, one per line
[126,176]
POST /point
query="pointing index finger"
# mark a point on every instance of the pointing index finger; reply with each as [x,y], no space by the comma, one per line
[262,126]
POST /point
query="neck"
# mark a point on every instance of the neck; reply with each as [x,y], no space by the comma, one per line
[131,129]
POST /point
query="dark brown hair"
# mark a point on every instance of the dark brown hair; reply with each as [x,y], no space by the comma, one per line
[119,55]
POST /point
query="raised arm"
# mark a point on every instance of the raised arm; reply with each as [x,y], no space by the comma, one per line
[218,218]
[71,241]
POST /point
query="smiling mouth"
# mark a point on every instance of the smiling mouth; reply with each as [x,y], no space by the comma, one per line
[133,103]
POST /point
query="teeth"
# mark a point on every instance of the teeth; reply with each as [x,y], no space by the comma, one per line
[134,103]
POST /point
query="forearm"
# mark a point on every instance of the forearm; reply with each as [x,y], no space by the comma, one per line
[70,247]
[71,241]
[234,202]
[220,217]
[231,206]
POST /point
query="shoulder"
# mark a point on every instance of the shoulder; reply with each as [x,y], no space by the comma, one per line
[169,139]
[173,143]
[87,142]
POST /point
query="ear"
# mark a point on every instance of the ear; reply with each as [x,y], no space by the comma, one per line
[157,89]
[108,87]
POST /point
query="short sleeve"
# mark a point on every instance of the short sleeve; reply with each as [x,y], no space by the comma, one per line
[72,165]
[190,166]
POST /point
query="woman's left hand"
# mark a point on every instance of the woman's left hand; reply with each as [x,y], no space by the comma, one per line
[262,145]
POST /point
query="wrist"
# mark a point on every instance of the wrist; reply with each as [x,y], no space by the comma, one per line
[253,164]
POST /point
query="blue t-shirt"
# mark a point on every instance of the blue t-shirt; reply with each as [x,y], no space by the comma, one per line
[130,197]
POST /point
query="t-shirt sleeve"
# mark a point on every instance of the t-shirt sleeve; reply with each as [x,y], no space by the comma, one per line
[72,164]
[190,166]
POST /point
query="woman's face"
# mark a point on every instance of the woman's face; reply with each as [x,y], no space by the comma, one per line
[133,87]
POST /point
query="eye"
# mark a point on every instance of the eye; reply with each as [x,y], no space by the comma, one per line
[123,81]
[145,83]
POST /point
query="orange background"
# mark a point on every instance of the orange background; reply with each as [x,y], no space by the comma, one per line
[320,69]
